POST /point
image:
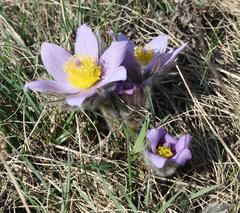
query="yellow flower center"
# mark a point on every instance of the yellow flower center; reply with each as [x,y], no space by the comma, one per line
[165,152]
[143,55]
[82,72]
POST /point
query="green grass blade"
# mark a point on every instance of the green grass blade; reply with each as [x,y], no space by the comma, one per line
[111,195]
[67,185]
[141,137]
[167,204]
[66,21]
[88,200]
[200,193]
[147,195]
[129,200]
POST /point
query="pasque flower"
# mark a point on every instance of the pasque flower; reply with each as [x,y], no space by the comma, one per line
[80,76]
[165,149]
[143,62]
[143,65]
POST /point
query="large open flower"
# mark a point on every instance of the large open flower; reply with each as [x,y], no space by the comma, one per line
[166,149]
[79,76]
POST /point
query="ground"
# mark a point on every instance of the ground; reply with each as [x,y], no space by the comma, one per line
[65,160]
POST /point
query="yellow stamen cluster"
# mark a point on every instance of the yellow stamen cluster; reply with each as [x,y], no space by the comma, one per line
[165,152]
[82,72]
[143,55]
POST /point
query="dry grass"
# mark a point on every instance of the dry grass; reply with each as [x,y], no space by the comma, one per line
[68,161]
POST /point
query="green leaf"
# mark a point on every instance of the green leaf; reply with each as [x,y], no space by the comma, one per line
[114,199]
[129,199]
[67,185]
[167,204]
[87,198]
[202,192]
[141,137]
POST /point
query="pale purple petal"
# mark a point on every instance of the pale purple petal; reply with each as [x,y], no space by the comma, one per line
[183,142]
[86,43]
[130,45]
[170,58]
[119,74]
[156,64]
[154,136]
[122,37]
[163,61]
[113,56]
[53,58]
[182,157]
[78,99]
[49,86]
[157,160]
[129,61]
[169,140]
[158,44]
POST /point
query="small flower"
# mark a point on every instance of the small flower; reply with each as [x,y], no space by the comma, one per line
[80,76]
[147,61]
[166,150]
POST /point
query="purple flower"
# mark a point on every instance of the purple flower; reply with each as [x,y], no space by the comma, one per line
[165,149]
[152,59]
[80,76]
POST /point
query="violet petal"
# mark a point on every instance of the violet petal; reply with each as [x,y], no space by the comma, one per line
[86,43]
[172,55]
[119,74]
[158,44]
[157,160]
[170,140]
[130,62]
[53,58]
[182,157]
[130,45]
[154,136]
[163,61]
[49,86]
[78,99]
[113,56]
[183,142]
